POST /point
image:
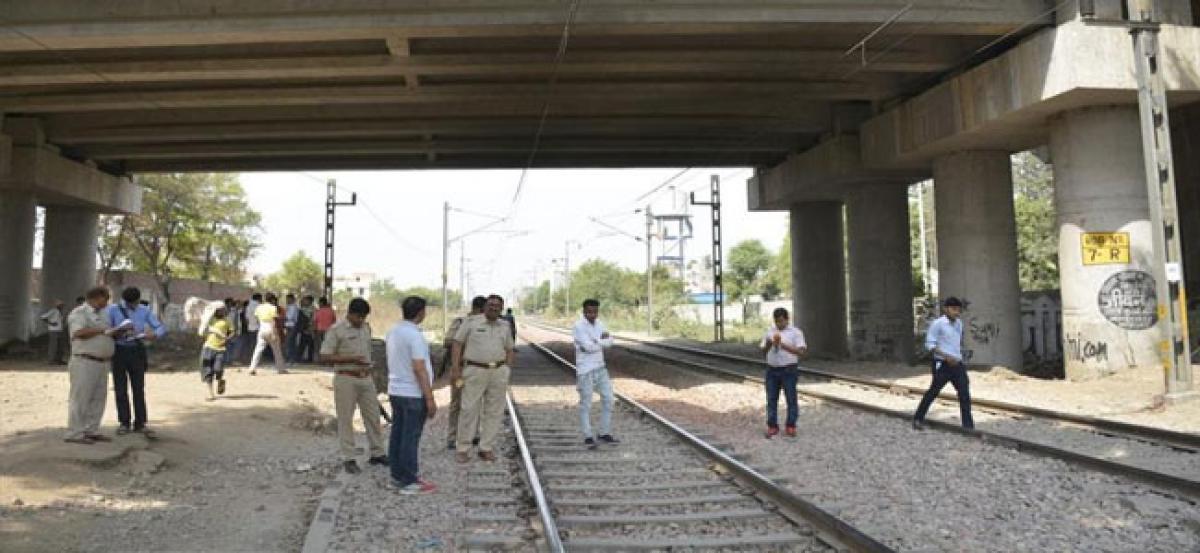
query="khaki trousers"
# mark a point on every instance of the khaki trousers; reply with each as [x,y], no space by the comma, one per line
[482,406]
[455,409]
[350,392]
[89,393]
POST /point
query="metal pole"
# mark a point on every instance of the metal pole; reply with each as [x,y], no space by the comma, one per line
[567,278]
[462,269]
[330,204]
[926,284]
[649,271]
[718,274]
[445,267]
[1164,215]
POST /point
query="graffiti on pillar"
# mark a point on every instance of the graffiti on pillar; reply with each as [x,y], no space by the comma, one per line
[984,333]
[1083,350]
[1128,299]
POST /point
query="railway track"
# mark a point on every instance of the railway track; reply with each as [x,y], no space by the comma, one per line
[660,488]
[1169,459]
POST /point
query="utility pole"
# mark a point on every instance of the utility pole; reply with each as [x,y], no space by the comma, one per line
[331,205]
[445,268]
[718,286]
[925,280]
[567,278]
[649,271]
[1164,213]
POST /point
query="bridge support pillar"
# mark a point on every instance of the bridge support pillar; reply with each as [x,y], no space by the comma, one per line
[18,213]
[977,253]
[818,276]
[881,317]
[1104,242]
[69,254]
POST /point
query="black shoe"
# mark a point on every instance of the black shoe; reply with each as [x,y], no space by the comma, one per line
[122,430]
[221,386]
[608,439]
[351,467]
[475,441]
[918,425]
[450,445]
[590,443]
[379,460]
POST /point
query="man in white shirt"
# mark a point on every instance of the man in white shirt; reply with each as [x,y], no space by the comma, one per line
[410,391]
[591,374]
[784,345]
[55,337]
[944,341]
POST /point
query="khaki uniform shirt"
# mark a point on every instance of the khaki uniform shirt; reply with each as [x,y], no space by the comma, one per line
[484,341]
[454,326]
[343,339]
[85,316]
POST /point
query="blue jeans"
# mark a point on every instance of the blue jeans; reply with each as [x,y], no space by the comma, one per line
[784,378]
[957,376]
[595,380]
[408,420]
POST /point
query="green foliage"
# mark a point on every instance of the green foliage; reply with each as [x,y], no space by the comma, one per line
[385,291]
[749,265]
[537,299]
[300,275]
[1037,229]
[779,274]
[192,225]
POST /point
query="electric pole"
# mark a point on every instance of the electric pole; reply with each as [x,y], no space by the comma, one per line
[649,271]
[1164,213]
[445,268]
[331,205]
[718,286]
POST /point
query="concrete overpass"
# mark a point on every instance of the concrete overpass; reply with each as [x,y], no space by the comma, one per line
[838,103]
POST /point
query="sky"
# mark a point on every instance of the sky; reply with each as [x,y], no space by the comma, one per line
[395,231]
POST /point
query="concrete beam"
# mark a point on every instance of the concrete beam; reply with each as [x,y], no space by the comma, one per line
[82,24]
[547,160]
[823,173]
[1003,104]
[690,93]
[55,179]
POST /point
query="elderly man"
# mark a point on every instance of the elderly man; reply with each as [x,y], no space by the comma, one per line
[347,346]
[92,351]
[136,326]
[482,361]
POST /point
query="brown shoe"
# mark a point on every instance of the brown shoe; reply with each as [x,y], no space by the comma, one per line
[487,456]
[462,457]
[99,438]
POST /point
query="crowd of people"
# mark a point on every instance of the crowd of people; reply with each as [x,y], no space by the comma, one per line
[480,353]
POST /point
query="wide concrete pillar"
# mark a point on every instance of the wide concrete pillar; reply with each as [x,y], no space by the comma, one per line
[1105,246]
[977,253]
[68,253]
[881,317]
[18,214]
[818,276]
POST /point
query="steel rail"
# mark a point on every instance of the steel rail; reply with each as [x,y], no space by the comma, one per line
[826,523]
[549,526]
[1178,440]
[1168,481]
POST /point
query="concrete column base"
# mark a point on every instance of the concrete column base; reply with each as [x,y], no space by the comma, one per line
[818,277]
[881,316]
[18,216]
[977,253]
[69,254]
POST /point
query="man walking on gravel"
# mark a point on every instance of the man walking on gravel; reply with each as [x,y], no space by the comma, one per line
[348,346]
[483,357]
[944,340]
[410,391]
[784,345]
[268,334]
[91,354]
[591,374]
[477,305]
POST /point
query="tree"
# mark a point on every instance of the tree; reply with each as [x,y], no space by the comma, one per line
[779,275]
[299,275]
[1037,230]
[749,262]
[192,225]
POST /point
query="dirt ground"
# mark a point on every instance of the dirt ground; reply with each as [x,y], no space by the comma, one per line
[238,474]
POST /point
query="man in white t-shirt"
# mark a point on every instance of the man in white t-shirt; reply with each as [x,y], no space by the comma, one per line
[784,345]
[410,390]
[55,336]
[591,338]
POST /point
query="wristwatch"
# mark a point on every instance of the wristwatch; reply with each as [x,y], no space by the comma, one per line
[458,383]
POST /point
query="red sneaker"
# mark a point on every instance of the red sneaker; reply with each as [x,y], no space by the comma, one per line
[772,431]
[791,431]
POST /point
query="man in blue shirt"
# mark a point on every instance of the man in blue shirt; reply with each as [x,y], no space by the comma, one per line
[944,341]
[129,359]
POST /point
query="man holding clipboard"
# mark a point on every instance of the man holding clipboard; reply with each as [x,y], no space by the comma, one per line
[137,326]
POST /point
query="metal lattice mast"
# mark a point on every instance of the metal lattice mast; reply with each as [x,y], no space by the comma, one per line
[718,274]
[331,205]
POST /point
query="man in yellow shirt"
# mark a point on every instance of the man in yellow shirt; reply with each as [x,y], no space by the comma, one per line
[266,313]
[212,356]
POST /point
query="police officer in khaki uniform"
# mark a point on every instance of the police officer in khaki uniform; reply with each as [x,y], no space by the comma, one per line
[91,352]
[347,346]
[477,306]
[483,355]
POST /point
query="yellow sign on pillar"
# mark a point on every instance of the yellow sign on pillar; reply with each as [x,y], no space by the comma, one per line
[1105,248]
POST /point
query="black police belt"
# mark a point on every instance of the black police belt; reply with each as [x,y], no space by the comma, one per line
[492,365]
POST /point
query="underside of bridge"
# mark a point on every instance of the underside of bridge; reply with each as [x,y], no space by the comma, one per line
[358,84]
